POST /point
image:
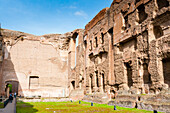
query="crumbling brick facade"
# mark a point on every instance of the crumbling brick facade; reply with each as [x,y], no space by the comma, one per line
[123,52]
[125,49]
[35,66]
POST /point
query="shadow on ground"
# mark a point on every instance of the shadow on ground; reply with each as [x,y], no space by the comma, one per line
[23,107]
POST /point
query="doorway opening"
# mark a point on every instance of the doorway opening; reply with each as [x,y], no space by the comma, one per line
[128,72]
[103,82]
[73,85]
[12,86]
[166,70]
[162,3]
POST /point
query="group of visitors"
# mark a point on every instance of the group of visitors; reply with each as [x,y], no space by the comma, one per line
[11,96]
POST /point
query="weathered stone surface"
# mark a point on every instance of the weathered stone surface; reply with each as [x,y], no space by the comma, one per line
[97,98]
[123,50]
[35,65]
[158,102]
[147,102]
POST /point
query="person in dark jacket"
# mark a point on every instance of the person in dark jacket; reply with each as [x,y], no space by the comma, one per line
[10,98]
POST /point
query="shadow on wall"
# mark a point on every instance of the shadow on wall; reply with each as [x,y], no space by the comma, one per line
[9,76]
[23,107]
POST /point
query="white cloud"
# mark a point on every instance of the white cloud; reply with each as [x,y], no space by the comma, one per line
[81,13]
[72,7]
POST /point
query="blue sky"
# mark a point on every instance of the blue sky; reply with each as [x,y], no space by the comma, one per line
[48,16]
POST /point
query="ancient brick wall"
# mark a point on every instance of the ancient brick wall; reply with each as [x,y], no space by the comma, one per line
[1,56]
[128,43]
[124,49]
[35,65]
[137,24]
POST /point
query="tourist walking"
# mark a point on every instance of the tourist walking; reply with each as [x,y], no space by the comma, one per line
[10,98]
[15,94]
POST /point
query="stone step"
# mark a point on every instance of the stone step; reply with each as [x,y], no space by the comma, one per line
[97,98]
[77,94]
[159,102]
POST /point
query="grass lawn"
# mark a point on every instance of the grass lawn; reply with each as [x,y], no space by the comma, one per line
[69,107]
[1,105]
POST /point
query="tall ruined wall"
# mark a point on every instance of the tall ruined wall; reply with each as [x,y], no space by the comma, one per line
[76,60]
[1,55]
[97,54]
[35,65]
[93,72]
[139,26]
[125,50]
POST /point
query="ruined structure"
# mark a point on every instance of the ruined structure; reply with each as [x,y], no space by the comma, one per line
[35,65]
[123,52]
[125,48]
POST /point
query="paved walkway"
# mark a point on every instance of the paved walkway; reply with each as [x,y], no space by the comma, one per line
[10,107]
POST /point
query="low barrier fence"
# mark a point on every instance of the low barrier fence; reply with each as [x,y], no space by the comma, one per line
[4,101]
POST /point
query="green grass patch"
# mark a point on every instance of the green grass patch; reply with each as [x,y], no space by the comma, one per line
[72,107]
[1,105]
